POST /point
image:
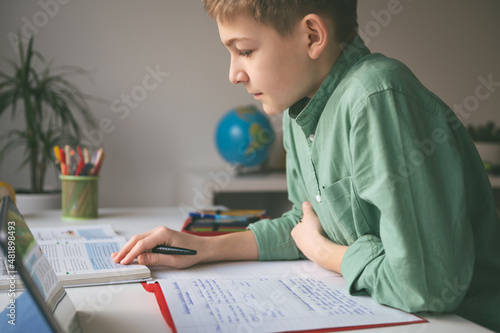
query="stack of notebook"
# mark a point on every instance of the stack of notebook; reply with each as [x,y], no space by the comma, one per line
[217,222]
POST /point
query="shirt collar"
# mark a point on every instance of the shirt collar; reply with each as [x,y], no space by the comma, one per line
[307,111]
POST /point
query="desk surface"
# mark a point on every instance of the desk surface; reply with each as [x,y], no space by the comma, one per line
[129,308]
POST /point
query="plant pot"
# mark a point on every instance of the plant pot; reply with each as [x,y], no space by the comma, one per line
[32,203]
[489,152]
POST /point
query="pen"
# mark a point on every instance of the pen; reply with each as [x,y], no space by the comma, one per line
[86,159]
[97,160]
[56,153]
[64,167]
[164,249]
[67,154]
[58,158]
[81,164]
[97,167]
[73,163]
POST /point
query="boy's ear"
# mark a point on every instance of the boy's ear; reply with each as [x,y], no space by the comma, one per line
[317,34]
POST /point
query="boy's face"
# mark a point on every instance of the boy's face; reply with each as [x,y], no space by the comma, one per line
[275,69]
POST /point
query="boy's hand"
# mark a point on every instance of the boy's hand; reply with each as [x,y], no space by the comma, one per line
[311,239]
[140,247]
[308,231]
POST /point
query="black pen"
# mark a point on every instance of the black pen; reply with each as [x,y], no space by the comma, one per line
[165,249]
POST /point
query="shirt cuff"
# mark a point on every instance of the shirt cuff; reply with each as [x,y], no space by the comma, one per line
[358,255]
[274,240]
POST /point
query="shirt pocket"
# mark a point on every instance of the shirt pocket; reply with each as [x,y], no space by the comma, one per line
[345,222]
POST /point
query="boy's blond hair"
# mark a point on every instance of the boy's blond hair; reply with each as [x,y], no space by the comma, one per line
[283,15]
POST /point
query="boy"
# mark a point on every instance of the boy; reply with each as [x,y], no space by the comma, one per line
[387,187]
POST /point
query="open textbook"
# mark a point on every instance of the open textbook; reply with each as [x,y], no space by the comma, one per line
[277,296]
[80,256]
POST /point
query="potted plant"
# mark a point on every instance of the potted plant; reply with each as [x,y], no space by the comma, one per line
[487,140]
[53,110]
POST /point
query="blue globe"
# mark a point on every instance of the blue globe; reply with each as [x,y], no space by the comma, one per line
[243,136]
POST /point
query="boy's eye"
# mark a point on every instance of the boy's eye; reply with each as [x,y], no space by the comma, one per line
[246,53]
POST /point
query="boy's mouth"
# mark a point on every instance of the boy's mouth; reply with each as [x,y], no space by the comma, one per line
[257,95]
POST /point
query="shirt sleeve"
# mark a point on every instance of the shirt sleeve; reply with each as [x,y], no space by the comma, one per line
[407,168]
[273,237]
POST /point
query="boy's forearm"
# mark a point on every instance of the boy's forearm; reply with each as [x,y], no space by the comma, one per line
[233,246]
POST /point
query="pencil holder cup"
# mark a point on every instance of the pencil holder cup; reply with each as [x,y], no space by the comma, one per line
[79,197]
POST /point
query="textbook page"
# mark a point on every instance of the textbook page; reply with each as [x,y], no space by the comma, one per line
[274,297]
[81,255]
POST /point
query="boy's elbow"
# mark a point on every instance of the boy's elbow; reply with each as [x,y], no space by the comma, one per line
[448,298]
[432,292]
[443,297]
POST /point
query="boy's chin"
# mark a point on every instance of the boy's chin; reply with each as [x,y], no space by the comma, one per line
[272,109]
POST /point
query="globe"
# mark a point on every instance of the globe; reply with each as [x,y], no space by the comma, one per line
[243,136]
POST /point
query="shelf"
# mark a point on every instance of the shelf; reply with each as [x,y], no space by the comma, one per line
[268,182]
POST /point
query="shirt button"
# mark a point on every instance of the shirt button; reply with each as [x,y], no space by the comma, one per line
[311,137]
[318,198]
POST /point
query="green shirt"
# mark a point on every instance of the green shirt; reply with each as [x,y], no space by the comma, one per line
[392,173]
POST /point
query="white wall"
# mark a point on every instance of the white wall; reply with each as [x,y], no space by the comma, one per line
[449,44]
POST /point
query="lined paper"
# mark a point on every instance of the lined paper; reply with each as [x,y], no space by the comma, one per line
[290,296]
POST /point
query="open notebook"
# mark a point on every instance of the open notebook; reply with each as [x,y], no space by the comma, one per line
[272,296]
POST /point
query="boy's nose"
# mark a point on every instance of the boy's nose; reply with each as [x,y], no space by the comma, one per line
[237,75]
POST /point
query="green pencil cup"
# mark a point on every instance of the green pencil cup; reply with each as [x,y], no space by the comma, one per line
[79,197]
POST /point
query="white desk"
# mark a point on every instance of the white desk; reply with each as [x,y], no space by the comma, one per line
[129,308]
